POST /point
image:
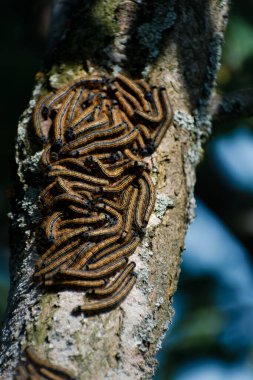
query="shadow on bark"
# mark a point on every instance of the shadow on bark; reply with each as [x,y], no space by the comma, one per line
[152,30]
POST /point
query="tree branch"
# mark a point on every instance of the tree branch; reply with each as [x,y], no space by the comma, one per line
[176,44]
[232,106]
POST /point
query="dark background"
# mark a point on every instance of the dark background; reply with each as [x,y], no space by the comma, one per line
[212,333]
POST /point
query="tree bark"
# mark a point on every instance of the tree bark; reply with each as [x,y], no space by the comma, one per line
[171,43]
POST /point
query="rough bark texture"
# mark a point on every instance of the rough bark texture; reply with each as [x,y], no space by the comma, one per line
[175,43]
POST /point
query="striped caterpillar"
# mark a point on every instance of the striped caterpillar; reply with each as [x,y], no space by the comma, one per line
[98,195]
[35,368]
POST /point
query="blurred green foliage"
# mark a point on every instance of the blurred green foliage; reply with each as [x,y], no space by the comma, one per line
[21,57]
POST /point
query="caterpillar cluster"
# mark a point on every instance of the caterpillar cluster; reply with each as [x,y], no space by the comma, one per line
[98,195]
[36,368]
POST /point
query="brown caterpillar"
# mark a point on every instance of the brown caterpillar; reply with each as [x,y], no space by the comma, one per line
[98,195]
[36,368]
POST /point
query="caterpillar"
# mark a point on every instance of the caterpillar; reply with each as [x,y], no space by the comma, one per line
[34,367]
[97,194]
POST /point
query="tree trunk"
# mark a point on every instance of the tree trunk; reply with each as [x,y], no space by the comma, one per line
[168,42]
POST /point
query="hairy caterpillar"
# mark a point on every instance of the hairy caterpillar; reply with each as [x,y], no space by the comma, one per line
[98,195]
